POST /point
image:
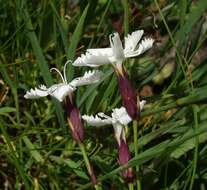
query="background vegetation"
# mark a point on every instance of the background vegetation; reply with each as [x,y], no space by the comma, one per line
[36,149]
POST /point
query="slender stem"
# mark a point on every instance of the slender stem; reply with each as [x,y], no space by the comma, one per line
[131,186]
[98,187]
[36,184]
[139,187]
[195,113]
[88,166]
[85,157]
[126,16]
[135,130]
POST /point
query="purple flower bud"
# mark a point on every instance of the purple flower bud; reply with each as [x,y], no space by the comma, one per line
[128,94]
[74,119]
[124,157]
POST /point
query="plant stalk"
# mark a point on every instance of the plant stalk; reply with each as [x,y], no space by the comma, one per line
[131,186]
[89,167]
[135,131]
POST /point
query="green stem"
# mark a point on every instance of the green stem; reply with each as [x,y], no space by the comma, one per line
[195,113]
[88,165]
[131,186]
[126,16]
[98,187]
[135,130]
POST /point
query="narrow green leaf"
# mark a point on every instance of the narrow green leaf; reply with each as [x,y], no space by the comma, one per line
[16,161]
[108,3]
[126,16]
[81,174]
[5,74]
[41,61]
[7,110]
[196,11]
[165,147]
[43,66]
[195,97]
[109,90]
[34,153]
[77,34]
[91,88]
[75,39]
[62,31]
[71,163]
[182,7]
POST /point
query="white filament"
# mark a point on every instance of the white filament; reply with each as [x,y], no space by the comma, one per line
[64,70]
[55,69]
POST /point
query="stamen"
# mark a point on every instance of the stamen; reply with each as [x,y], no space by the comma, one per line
[55,69]
[110,39]
[64,70]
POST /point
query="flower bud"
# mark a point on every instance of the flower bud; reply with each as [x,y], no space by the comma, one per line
[128,94]
[74,119]
[124,157]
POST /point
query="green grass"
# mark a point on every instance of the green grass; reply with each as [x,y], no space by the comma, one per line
[36,147]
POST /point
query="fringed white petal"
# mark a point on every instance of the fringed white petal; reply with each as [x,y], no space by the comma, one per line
[103,51]
[143,47]
[141,104]
[92,59]
[116,46]
[89,77]
[120,115]
[39,92]
[131,41]
[96,120]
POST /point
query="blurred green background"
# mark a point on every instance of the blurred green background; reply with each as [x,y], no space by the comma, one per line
[36,149]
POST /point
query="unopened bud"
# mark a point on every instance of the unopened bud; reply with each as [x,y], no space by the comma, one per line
[74,119]
[128,94]
[124,157]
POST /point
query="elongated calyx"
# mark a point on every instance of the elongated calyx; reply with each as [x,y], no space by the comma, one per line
[128,93]
[124,157]
[74,119]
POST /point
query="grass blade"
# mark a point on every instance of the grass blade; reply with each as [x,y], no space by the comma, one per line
[75,39]
[195,13]
[15,159]
[43,66]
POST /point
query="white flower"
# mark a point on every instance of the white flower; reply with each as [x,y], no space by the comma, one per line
[61,90]
[118,119]
[116,53]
